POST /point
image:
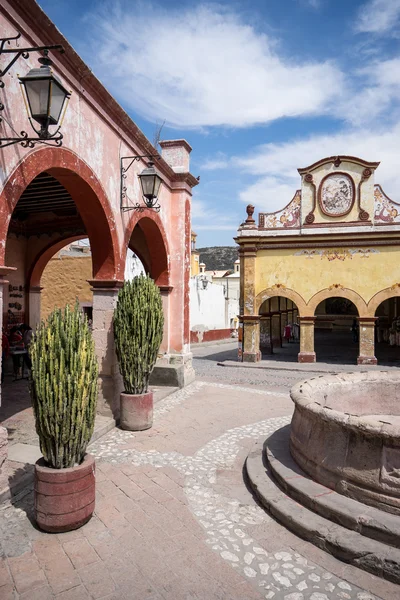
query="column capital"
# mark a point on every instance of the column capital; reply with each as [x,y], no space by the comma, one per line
[307,320]
[35,289]
[367,320]
[165,289]
[249,318]
[4,271]
[108,285]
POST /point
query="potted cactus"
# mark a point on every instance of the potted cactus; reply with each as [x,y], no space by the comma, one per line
[138,332]
[63,389]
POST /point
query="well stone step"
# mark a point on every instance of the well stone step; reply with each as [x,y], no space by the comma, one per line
[367,520]
[347,545]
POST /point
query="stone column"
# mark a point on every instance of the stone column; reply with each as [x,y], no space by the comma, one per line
[307,354]
[276,333]
[367,341]
[165,291]
[284,314]
[34,305]
[251,341]
[105,293]
[251,321]
[265,335]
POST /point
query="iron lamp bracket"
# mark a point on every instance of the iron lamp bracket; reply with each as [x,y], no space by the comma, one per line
[124,197]
[24,139]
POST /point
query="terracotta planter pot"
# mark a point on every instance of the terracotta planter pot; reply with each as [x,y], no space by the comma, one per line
[64,498]
[136,411]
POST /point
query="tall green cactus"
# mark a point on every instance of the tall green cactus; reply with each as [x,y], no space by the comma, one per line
[138,331]
[64,386]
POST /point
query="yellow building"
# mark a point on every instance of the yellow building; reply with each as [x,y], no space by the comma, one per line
[194,256]
[328,261]
[65,279]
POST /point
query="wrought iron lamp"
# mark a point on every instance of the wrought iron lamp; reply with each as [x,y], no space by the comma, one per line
[45,98]
[150,182]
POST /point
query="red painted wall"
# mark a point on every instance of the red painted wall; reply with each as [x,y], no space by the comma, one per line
[212,335]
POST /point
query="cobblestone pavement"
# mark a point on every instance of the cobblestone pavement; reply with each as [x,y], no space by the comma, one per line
[205,359]
[174,519]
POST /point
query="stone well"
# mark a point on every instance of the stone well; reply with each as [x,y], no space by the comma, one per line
[345,434]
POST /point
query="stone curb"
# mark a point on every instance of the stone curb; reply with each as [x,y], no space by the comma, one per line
[347,545]
[304,367]
[366,520]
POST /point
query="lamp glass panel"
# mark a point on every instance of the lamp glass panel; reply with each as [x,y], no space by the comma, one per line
[56,102]
[147,182]
[157,183]
[37,92]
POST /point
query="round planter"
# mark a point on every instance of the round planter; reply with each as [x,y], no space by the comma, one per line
[64,498]
[136,411]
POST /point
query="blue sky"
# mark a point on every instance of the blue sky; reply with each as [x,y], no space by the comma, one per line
[258,89]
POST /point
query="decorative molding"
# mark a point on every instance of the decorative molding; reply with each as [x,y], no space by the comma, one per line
[395,286]
[288,217]
[385,209]
[337,160]
[278,286]
[334,202]
[328,244]
[362,214]
[337,253]
[310,218]
[329,225]
[336,286]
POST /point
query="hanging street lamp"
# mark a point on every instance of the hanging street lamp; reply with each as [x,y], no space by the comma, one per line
[150,182]
[45,97]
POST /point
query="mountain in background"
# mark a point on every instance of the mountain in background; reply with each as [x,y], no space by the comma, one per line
[218,258]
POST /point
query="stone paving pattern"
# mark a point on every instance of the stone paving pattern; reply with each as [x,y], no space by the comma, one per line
[174,518]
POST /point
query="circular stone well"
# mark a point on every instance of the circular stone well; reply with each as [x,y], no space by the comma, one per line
[345,434]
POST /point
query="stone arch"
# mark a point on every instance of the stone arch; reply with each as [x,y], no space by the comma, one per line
[153,248]
[285,293]
[338,292]
[379,297]
[88,194]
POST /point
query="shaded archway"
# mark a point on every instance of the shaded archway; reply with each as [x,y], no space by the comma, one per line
[336,331]
[146,237]
[279,328]
[387,329]
[81,183]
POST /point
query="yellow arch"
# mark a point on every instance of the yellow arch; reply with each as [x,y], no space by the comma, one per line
[337,291]
[280,290]
[392,292]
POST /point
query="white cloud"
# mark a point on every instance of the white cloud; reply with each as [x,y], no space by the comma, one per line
[209,218]
[315,4]
[378,16]
[203,66]
[219,161]
[276,164]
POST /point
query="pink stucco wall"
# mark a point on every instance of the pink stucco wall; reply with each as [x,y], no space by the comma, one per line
[97,132]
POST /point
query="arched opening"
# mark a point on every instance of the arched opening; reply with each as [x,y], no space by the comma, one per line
[148,242]
[387,332]
[48,208]
[279,329]
[336,331]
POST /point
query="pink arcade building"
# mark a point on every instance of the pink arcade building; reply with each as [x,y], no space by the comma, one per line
[85,184]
